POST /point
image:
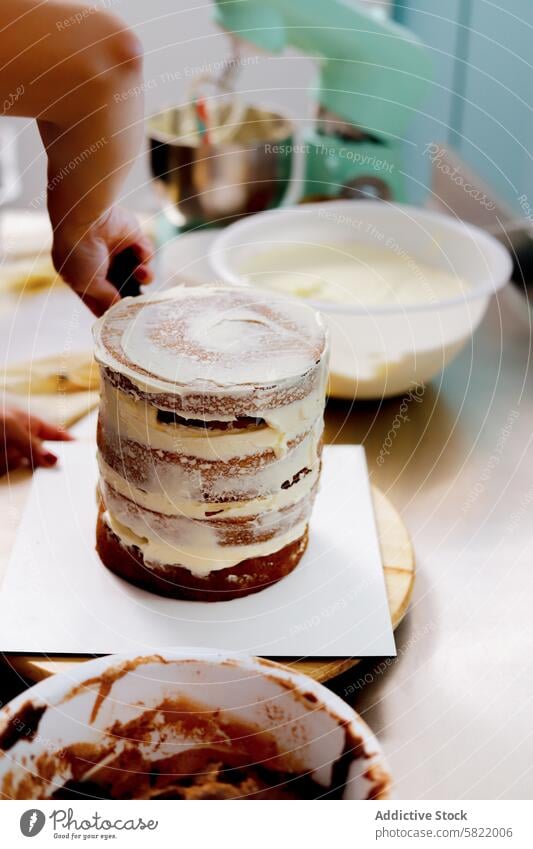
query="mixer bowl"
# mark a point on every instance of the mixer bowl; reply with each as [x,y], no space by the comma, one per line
[216,182]
[381,350]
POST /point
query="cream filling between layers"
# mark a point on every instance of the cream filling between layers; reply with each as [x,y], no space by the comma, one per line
[202,554]
[189,477]
[161,502]
[137,420]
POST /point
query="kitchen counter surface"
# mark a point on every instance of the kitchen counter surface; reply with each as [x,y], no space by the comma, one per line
[453,711]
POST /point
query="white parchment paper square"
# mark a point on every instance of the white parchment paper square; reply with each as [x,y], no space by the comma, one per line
[57,597]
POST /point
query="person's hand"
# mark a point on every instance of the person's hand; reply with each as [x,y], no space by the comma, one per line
[21,437]
[83,255]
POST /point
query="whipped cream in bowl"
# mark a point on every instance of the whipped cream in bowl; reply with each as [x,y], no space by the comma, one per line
[402,289]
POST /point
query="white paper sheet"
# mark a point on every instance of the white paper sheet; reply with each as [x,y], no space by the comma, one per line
[57,597]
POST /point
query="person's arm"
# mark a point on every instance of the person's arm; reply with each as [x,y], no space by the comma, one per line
[78,71]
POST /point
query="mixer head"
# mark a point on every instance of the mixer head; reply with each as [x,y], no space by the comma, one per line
[372,72]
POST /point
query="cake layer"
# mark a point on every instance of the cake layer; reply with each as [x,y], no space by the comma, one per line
[181,476]
[184,536]
[250,576]
[202,555]
[163,502]
[211,402]
[218,341]
[140,421]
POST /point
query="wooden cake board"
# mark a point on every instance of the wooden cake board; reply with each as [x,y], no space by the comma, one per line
[399,568]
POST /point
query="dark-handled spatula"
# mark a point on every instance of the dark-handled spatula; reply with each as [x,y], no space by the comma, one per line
[122,273]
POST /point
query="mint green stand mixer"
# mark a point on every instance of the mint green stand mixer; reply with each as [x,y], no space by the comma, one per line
[373,74]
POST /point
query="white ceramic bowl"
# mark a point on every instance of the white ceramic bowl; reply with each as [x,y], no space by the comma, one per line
[309,724]
[381,350]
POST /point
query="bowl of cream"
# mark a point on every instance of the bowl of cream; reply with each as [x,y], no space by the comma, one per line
[402,288]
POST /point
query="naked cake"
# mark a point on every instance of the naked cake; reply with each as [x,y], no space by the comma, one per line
[209,438]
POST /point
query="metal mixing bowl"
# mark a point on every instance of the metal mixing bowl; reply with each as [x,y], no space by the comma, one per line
[245,167]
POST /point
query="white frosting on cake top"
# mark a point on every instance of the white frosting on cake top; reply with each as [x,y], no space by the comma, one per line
[222,338]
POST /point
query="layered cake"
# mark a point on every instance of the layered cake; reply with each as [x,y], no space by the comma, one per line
[209,438]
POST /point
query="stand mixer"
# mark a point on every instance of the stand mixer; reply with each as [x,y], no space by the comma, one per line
[372,73]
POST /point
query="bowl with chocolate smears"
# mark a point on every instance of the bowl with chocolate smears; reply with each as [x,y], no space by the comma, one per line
[182,725]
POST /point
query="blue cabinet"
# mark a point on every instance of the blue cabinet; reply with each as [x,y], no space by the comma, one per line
[482,96]
[497,115]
